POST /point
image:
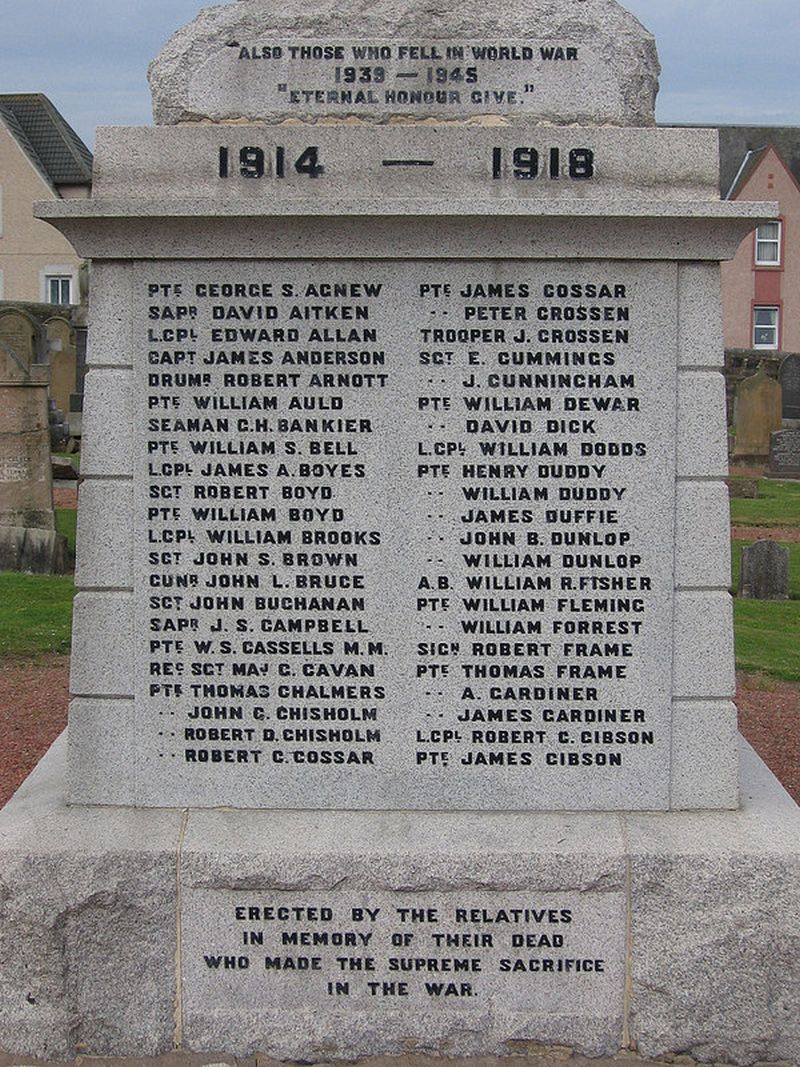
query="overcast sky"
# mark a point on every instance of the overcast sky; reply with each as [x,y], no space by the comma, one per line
[723,60]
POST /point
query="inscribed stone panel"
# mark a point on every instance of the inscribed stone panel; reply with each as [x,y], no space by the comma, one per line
[404,534]
[507,964]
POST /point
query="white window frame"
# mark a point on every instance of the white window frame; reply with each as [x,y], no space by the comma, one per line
[63,272]
[774,326]
[63,284]
[769,242]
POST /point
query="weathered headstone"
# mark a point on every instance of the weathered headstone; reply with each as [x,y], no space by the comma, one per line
[403,488]
[28,537]
[757,413]
[784,454]
[18,335]
[62,359]
[743,488]
[790,385]
[764,573]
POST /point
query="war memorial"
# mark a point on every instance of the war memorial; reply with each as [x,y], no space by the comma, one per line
[402,678]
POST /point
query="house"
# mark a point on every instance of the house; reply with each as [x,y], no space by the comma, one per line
[41,157]
[761,285]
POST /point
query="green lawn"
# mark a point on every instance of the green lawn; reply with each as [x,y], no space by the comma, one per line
[36,609]
[66,522]
[777,504]
[768,637]
[35,613]
[767,631]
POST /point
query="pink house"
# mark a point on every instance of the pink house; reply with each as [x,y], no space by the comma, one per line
[761,285]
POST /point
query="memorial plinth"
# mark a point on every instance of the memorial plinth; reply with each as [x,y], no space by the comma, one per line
[403,630]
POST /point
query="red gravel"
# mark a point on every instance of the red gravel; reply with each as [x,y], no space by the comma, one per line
[66,498]
[769,717]
[33,712]
[766,533]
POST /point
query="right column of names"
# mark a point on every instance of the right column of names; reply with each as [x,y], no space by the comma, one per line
[545,420]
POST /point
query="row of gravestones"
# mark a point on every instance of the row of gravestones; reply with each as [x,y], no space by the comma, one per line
[767,423]
[29,540]
[767,419]
[37,358]
[784,443]
[56,341]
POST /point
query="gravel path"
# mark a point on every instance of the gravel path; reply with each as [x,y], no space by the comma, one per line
[766,533]
[33,712]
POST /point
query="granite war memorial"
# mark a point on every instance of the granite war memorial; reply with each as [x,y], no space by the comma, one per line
[402,678]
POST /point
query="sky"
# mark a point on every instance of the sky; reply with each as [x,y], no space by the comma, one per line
[723,61]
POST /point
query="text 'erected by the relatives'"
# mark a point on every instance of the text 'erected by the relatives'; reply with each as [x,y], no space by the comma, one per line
[383,951]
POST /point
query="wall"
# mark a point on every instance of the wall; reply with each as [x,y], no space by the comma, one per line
[769,181]
[28,246]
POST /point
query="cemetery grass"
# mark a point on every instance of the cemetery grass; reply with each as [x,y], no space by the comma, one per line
[66,524]
[35,614]
[768,632]
[768,638]
[36,609]
[777,505]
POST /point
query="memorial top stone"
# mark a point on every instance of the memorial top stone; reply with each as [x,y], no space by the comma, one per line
[585,62]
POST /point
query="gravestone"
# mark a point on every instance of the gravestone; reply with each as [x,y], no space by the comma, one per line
[764,573]
[757,413]
[62,358]
[28,537]
[743,488]
[789,376]
[18,335]
[784,454]
[403,666]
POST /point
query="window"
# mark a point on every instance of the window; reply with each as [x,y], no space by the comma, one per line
[765,327]
[59,289]
[58,283]
[768,245]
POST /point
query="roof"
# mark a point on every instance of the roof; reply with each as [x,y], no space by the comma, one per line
[735,142]
[46,137]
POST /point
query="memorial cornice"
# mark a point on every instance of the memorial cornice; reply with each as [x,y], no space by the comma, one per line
[405,227]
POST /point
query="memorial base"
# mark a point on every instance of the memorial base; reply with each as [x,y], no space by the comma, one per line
[110,916]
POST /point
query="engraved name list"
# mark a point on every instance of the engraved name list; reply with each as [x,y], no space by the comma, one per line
[398,527]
